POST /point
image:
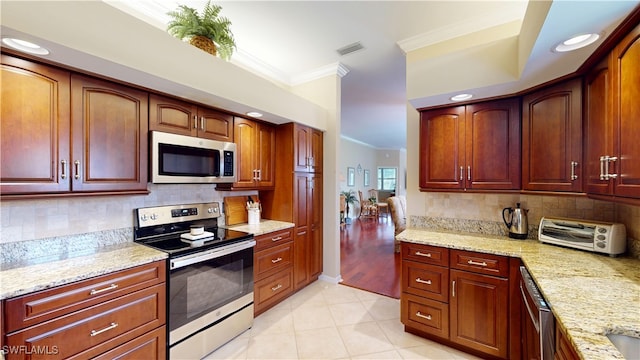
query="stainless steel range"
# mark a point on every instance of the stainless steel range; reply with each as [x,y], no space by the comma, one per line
[210,284]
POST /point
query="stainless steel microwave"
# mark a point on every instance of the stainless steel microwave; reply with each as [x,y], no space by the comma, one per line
[180,159]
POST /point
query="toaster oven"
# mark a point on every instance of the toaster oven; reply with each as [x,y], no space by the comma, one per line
[595,236]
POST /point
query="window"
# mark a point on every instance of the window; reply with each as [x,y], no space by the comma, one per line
[387,178]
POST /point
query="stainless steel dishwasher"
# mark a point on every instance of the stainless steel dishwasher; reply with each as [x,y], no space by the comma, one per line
[538,332]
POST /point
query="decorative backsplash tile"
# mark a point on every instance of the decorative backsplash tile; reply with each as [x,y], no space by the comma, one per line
[482,213]
[23,220]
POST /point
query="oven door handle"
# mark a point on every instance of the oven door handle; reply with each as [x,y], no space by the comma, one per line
[211,254]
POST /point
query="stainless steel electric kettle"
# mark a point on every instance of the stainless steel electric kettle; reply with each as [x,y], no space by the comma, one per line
[518,224]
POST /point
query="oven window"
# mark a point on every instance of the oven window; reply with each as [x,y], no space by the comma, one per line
[179,160]
[198,289]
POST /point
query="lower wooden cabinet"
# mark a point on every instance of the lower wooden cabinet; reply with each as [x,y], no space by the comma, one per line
[119,315]
[564,349]
[458,297]
[273,269]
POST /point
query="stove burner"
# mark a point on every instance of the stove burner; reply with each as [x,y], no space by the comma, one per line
[165,235]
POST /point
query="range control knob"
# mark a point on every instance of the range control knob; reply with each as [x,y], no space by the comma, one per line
[154,216]
[212,210]
[144,217]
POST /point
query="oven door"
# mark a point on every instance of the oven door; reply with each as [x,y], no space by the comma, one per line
[207,287]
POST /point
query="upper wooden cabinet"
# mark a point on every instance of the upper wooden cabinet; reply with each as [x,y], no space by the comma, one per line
[35,110]
[185,118]
[612,127]
[109,136]
[307,150]
[471,147]
[255,143]
[552,138]
[63,132]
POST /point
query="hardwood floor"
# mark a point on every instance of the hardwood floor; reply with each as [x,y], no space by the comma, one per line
[367,259]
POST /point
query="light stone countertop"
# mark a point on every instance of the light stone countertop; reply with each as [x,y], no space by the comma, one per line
[40,275]
[591,295]
[265,226]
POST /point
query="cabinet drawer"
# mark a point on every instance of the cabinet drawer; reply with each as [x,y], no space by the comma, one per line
[44,305]
[425,254]
[272,260]
[425,280]
[266,241]
[94,330]
[425,315]
[151,345]
[481,263]
[269,291]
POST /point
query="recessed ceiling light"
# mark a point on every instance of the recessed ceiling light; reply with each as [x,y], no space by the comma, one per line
[254,114]
[25,46]
[461,97]
[576,42]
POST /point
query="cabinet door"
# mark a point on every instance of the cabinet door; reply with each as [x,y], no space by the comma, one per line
[627,116]
[244,133]
[301,147]
[109,127]
[266,155]
[316,151]
[315,250]
[172,115]
[442,148]
[151,345]
[479,311]
[552,138]
[35,128]
[493,145]
[215,125]
[598,127]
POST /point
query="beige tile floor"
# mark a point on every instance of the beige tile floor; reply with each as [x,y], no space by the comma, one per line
[328,321]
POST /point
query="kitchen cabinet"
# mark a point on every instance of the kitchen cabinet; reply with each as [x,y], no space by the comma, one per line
[65,132]
[297,198]
[564,349]
[307,150]
[117,314]
[273,269]
[109,125]
[472,147]
[552,138]
[459,296]
[255,142]
[612,127]
[185,118]
[35,108]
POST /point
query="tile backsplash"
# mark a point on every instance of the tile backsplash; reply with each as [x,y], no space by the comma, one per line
[488,208]
[38,219]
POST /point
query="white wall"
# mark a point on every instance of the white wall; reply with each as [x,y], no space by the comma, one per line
[353,154]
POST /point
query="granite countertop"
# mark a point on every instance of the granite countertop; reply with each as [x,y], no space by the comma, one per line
[38,274]
[265,226]
[591,295]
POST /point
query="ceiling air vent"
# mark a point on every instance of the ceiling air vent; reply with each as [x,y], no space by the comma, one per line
[350,48]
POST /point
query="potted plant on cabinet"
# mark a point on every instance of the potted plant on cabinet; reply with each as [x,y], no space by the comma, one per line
[349,198]
[209,31]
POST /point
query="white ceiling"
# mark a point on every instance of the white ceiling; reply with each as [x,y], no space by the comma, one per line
[410,47]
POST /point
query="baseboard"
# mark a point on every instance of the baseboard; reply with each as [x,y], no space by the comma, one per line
[332,280]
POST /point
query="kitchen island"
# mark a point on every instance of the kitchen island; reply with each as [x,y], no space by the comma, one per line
[590,295]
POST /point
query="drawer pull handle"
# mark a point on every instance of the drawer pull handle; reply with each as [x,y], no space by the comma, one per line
[110,287]
[423,254]
[419,314]
[276,260]
[98,332]
[471,262]
[277,238]
[428,282]
[276,287]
